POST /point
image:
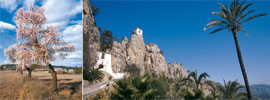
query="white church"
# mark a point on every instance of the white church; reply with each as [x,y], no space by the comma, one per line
[105,59]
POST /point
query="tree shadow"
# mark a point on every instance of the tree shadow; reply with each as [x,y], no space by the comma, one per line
[57,79]
[74,86]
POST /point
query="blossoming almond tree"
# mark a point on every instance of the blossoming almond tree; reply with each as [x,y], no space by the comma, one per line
[37,43]
[11,53]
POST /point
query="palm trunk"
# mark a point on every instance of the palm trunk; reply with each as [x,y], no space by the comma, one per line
[29,70]
[242,65]
[54,78]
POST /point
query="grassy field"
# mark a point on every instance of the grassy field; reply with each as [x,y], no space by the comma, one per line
[14,86]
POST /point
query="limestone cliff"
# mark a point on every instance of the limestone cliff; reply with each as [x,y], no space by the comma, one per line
[154,60]
[91,36]
[148,58]
[136,52]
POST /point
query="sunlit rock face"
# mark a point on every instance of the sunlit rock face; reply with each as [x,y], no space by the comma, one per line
[118,57]
[148,58]
[154,60]
[176,70]
[136,52]
[91,36]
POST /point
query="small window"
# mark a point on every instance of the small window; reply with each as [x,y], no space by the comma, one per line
[103,56]
[100,66]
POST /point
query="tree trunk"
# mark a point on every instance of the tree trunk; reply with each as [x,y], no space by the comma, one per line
[54,78]
[29,70]
[242,65]
[20,71]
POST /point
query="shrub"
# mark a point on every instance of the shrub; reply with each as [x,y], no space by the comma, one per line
[149,51]
[78,70]
[132,69]
[161,52]
[92,75]
[106,40]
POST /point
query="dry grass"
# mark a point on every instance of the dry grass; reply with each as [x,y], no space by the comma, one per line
[14,86]
[10,86]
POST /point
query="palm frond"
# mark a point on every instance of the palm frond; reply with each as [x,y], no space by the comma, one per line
[240,9]
[221,14]
[219,29]
[241,29]
[241,96]
[252,17]
[215,25]
[217,21]
[244,15]
[245,8]
[226,11]
[203,75]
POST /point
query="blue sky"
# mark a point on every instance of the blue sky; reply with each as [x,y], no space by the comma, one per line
[64,14]
[177,28]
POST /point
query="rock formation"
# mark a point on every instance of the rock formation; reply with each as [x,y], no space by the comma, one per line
[91,38]
[176,70]
[136,52]
[148,58]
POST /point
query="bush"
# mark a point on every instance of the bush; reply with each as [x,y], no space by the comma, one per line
[132,69]
[140,87]
[161,52]
[92,75]
[106,40]
[78,70]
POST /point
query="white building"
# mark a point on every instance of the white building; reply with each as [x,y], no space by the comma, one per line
[138,31]
[105,60]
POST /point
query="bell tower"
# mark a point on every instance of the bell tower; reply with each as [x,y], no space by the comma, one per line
[138,31]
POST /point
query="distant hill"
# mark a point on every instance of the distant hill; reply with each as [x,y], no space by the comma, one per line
[13,66]
[8,66]
[260,91]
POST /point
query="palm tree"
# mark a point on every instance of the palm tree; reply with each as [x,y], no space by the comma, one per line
[142,86]
[197,83]
[123,90]
[232,19]
[230,91]
[134,88]
[93,74]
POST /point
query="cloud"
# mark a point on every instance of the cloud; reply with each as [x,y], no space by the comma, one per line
[59,12]
[73,35]
[9,5]
[4,25]
[75,55]
[28,3]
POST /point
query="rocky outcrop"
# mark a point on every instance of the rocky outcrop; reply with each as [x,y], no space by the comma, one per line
[176,70]
[91,37]
[148,58]
[154,60]
[118,57]
[136,52]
